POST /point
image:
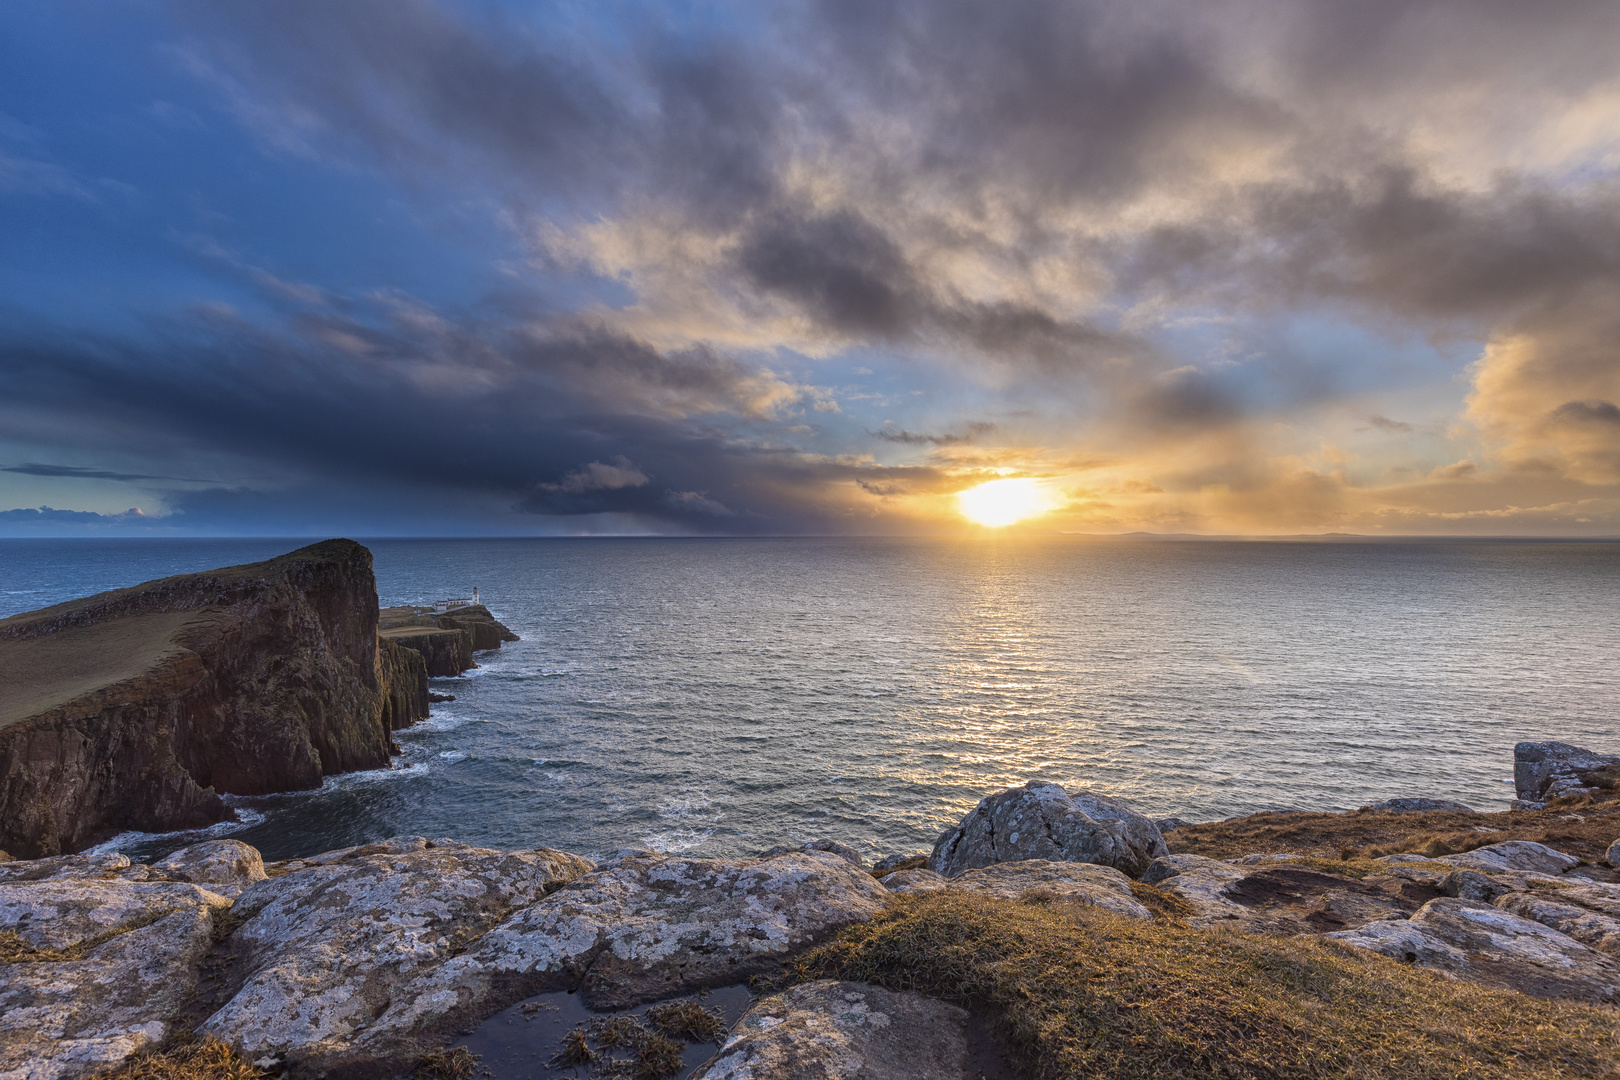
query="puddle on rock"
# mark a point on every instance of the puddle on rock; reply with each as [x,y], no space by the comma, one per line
[526,1041]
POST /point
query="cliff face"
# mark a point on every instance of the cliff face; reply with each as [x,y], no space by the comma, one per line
[136,709]
[445,641]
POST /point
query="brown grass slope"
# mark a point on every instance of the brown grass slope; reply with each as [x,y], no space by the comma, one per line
[1583,827]
[1082,993]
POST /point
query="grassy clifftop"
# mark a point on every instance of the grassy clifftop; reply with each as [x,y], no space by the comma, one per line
[1085,994]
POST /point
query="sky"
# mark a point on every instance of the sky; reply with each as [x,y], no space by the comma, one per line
[424,267]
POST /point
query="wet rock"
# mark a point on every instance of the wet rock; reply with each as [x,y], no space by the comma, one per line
[1418,806]
[1043,821]
[843,851]
[913,881]
[1544,771]
[61,913]
[329,947]
[1084,883]
[70,1018]
[1492,947]
[1594,930]
[837,1030]
[1513,855]
[217,862]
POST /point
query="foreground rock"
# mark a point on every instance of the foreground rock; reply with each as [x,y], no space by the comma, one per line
[1043,821]
[100,967]
[1544,771]
[1487,945]
[1278,898]
[136,709]
[371,959]
[834,1030]
[327,948]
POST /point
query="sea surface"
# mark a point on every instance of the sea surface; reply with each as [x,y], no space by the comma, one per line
[719,696]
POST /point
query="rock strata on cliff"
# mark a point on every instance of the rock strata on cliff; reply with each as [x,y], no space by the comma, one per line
[446,641]
[138,708]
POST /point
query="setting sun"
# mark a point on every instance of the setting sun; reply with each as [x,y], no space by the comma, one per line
[1002,502]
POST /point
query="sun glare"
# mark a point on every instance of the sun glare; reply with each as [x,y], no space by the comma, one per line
[1002,502]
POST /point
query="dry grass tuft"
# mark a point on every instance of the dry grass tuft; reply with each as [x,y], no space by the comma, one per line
[1084,993]
[687,1020]
[446,1064]
[208,1059]
[1163,903]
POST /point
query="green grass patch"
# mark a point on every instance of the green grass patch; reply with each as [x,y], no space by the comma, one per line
[1083,993]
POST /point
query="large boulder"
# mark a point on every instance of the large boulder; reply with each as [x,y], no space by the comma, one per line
[1486,945]
[1550,908]
[1544,771]
[329,947]
[833,1030]
[1043,821]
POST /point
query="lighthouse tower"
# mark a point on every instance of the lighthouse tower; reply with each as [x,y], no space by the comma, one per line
[475,594]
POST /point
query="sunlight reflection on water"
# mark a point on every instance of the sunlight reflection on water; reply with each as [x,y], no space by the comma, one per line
[721,696]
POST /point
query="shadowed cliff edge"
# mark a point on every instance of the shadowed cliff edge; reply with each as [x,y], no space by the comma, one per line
[138,708]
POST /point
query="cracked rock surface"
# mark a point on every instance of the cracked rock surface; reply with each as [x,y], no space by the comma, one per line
[842,1031]
[1043,821]
[328,947]
[1487,945]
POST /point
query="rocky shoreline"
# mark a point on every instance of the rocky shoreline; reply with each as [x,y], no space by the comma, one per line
[138,709]
[362,962]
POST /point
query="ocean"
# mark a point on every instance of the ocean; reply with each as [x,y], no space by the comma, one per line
[720,696]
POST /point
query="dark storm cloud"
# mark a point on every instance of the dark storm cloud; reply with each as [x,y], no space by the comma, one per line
[74,472]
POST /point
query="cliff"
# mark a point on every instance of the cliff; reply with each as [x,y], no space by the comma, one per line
[446,640]
[138,708]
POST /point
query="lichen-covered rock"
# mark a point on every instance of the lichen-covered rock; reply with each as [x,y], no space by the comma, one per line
[1543,771]
[842,850]
[1486,945]
[1083,883]
[328,947]
[1548,907]
[64,866]
[843,1031]
[1419,806]
[1201,882]
[65,1017]
[1524,855]
[214,862]
[1043,821]
[61,913]
[642,927]
[913,881]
